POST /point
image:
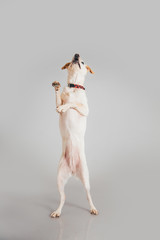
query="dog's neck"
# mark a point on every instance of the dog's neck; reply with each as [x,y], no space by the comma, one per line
[76,79]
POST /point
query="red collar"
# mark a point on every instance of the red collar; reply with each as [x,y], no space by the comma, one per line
[75,86]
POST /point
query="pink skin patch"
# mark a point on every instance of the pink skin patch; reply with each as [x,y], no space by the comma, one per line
[72,157]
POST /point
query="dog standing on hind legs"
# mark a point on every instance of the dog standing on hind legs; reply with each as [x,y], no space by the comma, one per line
[73,110]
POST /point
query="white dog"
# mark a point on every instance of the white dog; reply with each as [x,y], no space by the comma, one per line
[73,108]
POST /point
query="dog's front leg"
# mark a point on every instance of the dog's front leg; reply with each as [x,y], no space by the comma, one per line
[57,86]
[81,108]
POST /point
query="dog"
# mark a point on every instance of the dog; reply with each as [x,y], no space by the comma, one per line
[73,110]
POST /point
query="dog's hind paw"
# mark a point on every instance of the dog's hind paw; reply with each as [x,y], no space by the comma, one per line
[55,214]
[94,211]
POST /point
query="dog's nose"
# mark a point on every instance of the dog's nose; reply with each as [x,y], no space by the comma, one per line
[76,56]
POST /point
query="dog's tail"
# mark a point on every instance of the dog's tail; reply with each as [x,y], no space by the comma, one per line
[72,156]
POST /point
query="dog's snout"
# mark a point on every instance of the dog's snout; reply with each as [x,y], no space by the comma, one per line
[76,56]
[76,60]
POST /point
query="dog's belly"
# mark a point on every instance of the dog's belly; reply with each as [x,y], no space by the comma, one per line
[72,124]
[72,127]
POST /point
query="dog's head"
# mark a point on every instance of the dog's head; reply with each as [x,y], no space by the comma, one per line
[77,69]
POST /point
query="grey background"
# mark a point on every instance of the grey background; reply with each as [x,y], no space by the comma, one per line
[119,40]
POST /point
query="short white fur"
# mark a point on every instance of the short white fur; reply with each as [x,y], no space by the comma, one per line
[73,110]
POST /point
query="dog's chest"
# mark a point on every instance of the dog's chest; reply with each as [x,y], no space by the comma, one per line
[71,95]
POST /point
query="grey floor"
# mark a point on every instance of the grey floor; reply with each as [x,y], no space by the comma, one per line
[127,197]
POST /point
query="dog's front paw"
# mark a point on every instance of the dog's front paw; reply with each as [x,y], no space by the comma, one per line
[62,108]
[56,85]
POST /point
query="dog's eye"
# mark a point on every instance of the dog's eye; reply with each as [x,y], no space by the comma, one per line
[82,62]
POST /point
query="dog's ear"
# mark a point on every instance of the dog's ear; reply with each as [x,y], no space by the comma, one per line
[89,69]
[66,66]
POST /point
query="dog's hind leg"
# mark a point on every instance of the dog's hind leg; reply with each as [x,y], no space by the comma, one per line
[83,174]
[62,178]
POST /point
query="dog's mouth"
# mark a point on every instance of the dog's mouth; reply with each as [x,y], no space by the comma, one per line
[76,59]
